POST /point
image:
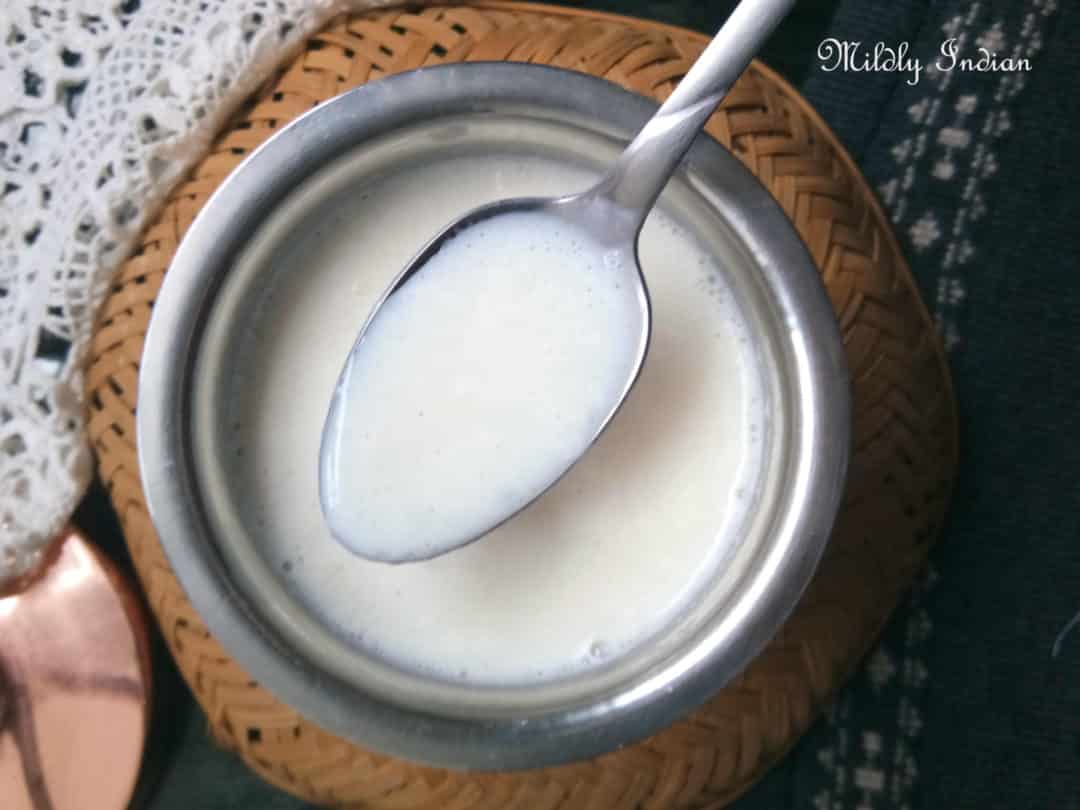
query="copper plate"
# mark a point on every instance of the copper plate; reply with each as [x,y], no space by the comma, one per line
[74,685]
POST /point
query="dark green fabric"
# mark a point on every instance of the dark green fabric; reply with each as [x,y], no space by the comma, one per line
[962,704]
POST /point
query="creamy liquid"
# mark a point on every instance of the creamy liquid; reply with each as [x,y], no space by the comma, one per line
[598,564]
[478,383]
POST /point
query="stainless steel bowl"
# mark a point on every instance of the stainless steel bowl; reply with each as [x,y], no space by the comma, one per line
[405,714]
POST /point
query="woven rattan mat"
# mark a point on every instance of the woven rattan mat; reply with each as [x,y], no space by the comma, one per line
[904,434]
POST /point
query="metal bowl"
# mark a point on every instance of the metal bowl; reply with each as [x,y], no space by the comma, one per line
[406,714]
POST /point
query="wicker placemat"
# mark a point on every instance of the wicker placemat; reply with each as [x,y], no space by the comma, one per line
[904,441]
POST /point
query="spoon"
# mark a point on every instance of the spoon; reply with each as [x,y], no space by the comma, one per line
[516,369]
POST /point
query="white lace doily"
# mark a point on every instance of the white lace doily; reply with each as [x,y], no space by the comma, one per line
[103,106]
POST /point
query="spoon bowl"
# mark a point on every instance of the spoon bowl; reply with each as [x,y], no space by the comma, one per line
[426,530]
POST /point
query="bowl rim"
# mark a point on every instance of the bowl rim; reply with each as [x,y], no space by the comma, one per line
[167,468]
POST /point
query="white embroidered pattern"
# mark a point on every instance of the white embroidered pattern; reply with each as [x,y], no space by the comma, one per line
[878,767]
[958,137]
[937,191]
[103,106]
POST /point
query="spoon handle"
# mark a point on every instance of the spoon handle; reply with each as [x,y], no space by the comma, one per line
[642,170]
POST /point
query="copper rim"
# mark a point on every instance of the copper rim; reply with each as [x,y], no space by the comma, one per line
[74,684]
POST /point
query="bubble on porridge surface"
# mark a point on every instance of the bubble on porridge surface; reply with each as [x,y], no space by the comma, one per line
[599,649]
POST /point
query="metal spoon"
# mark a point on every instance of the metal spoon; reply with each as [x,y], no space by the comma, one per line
[613,211]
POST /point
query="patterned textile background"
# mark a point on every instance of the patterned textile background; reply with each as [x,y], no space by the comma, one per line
[963,704]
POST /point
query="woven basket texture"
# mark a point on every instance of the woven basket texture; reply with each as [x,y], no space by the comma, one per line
[903,464]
